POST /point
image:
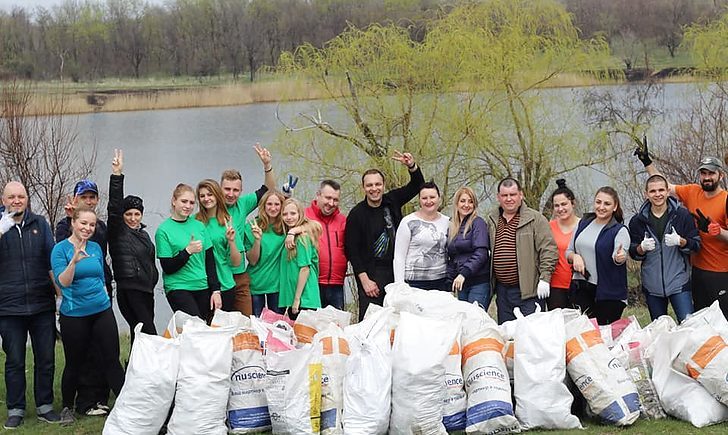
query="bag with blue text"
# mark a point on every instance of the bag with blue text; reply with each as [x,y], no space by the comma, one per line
[600,377]
[489,405]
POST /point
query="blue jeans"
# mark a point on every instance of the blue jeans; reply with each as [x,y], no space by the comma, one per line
[479,293]
[269,300]
[332,294]
[14,331]
[681,302]
[508,298]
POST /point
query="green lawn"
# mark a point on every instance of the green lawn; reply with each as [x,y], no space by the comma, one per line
[94,425]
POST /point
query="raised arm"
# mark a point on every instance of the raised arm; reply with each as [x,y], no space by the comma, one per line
[405,193]
[266,158]
[643,154]
[116,194]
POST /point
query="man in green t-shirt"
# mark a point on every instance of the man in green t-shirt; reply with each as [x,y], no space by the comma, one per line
[240,206]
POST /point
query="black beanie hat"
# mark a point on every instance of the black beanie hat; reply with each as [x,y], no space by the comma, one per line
[131,202]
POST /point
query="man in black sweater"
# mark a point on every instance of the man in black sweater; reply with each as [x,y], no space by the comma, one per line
[371,227]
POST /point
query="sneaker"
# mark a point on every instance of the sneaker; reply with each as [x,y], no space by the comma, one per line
[50,417]
[13,422]
[104,407]
[67,417]
[96,410]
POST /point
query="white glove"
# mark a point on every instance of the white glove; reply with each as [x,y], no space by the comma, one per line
[59,299]
[6,222]
[673,238]
[543,290]
[648,244]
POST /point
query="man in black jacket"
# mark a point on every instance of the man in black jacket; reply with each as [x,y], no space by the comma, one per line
[93,390]
[27,305]
[371,227]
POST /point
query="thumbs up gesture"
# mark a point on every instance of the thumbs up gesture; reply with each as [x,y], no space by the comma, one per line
[673,238]
[621,255]
[194,246]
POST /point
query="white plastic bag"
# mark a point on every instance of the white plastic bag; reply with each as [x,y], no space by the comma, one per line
[681,396]
[230,318]
[247,409]
[203,383]
[704,357]
[489,406]
[148,391]
[421,345]
[368,380]
[177,322]
[334,353]
[712,316]
[453,413]
[539,371]
[600,377]
[404,298]
[293,390]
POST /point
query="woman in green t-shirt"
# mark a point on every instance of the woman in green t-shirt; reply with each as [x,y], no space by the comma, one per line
[188,262]
[300,263]
[226,243]
[264,257]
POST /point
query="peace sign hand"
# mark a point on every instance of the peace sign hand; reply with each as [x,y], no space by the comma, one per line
[229,231]
[117,163]
[264,155]
[404,158]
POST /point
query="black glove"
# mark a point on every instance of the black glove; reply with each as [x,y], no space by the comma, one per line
[701,220]
[642,152]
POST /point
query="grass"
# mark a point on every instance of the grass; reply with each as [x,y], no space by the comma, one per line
[94,425]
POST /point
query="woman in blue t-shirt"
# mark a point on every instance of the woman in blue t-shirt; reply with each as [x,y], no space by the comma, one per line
[86,314]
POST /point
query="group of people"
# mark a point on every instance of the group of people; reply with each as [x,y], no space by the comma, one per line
[291,257]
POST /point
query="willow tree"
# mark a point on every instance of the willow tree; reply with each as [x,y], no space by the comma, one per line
[468,98]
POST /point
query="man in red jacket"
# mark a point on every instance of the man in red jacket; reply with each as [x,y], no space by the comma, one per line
[332,259]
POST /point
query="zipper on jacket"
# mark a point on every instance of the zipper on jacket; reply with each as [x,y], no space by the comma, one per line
[328,242]
[25,270]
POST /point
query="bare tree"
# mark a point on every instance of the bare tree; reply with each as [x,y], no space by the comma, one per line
[41,151]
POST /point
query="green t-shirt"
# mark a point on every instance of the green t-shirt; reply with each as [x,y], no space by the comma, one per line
[171,238]
[239,213]
[221,248]
[264,275]
[306,255]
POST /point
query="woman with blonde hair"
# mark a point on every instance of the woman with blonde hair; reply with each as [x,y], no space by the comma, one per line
[264,257]
[468,249]
[187,258]
[300,262]
[226,243]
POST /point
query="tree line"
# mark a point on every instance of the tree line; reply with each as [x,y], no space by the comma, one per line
[94,39]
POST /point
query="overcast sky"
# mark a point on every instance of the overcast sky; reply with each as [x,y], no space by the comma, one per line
[30,4]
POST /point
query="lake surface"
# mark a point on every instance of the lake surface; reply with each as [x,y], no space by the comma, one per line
[164,148]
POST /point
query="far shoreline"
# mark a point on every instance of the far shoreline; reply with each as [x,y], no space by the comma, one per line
[127,96]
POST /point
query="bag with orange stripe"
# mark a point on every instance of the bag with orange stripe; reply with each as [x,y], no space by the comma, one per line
[334,353]
[600,377]
[704,357]
[490,409]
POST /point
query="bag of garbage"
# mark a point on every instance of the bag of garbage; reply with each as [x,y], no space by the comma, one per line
[421,345]
[334,353]
[247,409]
[148,392]
[704,357]
[293,390]
[368,380]
[601,379]
[680,395]
[539,371]
[203,383]
[489,405]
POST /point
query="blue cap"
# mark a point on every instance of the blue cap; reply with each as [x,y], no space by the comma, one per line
[84,186]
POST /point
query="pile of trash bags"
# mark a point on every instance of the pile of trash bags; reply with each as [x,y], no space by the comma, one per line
[424,363]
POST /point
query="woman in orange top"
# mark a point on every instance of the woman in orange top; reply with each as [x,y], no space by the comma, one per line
[562,227]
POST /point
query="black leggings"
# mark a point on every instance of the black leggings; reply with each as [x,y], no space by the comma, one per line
[78,333]
[137,307]
[584,297]
[192,302]
[228,299]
